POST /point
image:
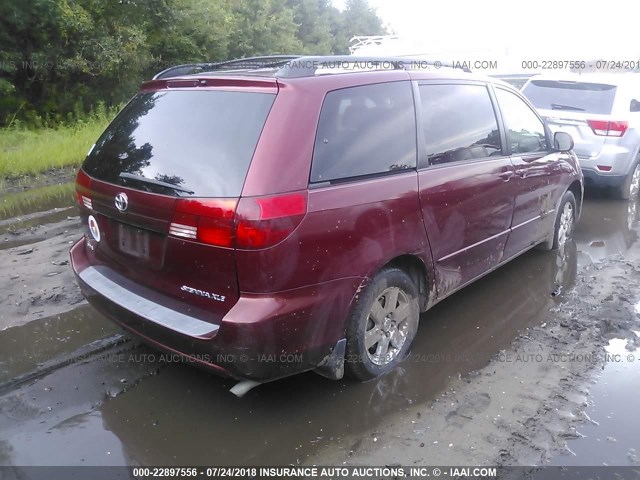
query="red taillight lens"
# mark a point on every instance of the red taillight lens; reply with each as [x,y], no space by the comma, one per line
[265,221]
[257,222]
[206,220]
[607,128]
[83,189]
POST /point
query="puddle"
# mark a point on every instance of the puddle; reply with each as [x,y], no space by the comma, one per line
[32,209]
[38,214]
[37,219]
[606,228]
[29,346]
[57,222]
[54,420]
[78,434]
[41,199]
[609,228]
[611,438]
[287,421]
[187,416]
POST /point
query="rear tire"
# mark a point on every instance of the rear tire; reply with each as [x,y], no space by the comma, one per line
[631,186]
[565,220]
[382,325]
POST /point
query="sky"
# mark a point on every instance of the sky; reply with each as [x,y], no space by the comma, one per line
[534,29]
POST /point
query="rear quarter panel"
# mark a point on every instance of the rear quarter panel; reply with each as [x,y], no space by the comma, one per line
[351,229]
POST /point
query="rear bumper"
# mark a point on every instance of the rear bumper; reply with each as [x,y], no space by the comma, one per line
[262,337]
[618,158]
[593,178]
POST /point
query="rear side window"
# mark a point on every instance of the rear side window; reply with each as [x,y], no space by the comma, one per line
[525,131]
[571,96]
[365,130]
[459,123]
[200,141]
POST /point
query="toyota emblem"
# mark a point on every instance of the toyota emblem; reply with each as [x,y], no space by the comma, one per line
[122,202]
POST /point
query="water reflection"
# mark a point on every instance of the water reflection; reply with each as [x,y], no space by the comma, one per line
[118,150]
[607,227]
[201,141]
[29,346]
[288,420]
[35,200]
[612,437]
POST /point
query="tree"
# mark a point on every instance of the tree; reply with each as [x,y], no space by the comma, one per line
[262,27]
[358,18]
[313,18]
[192,31]
[60,58]
[65,57]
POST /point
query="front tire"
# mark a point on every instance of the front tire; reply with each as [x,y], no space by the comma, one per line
[382,325]
[565,220]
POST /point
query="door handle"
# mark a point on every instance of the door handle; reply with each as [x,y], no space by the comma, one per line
[521,172]
[506,175]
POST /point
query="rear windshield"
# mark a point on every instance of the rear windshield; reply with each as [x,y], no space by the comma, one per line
[571,96]
[201,142]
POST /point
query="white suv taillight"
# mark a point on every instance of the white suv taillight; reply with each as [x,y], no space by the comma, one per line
[606,128]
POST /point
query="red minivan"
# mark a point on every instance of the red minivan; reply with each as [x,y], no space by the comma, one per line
[264,220]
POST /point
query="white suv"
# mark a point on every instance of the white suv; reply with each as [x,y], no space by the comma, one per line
[602,114]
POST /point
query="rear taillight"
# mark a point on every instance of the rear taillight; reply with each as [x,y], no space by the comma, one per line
[206,220]
[607,128]
[250,223]
[262,222]
[83,189]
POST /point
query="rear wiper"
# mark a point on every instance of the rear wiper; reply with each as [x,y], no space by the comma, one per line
[559,106]
[138,178]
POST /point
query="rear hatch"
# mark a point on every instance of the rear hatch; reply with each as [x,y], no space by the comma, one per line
[581,109]
[163,183]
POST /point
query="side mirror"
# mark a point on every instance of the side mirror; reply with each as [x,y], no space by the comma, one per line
[562,142]
[635,105]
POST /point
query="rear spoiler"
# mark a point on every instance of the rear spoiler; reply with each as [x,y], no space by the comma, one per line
[263,84]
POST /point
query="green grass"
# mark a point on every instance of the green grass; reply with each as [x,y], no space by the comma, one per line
[24,151]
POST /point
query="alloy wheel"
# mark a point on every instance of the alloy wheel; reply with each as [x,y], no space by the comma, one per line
[388,323]
[566,223]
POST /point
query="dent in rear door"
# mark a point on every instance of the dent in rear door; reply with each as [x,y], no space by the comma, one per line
[465,191]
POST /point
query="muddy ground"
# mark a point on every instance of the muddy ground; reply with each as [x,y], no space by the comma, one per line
[38,281]
[53,176]
[37,227]
[501,373]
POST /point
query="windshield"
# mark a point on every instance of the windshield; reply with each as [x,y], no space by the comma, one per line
[571,96]
[201,142]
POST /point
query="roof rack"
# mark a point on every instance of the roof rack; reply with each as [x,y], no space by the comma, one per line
[295,66]
[249,63]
